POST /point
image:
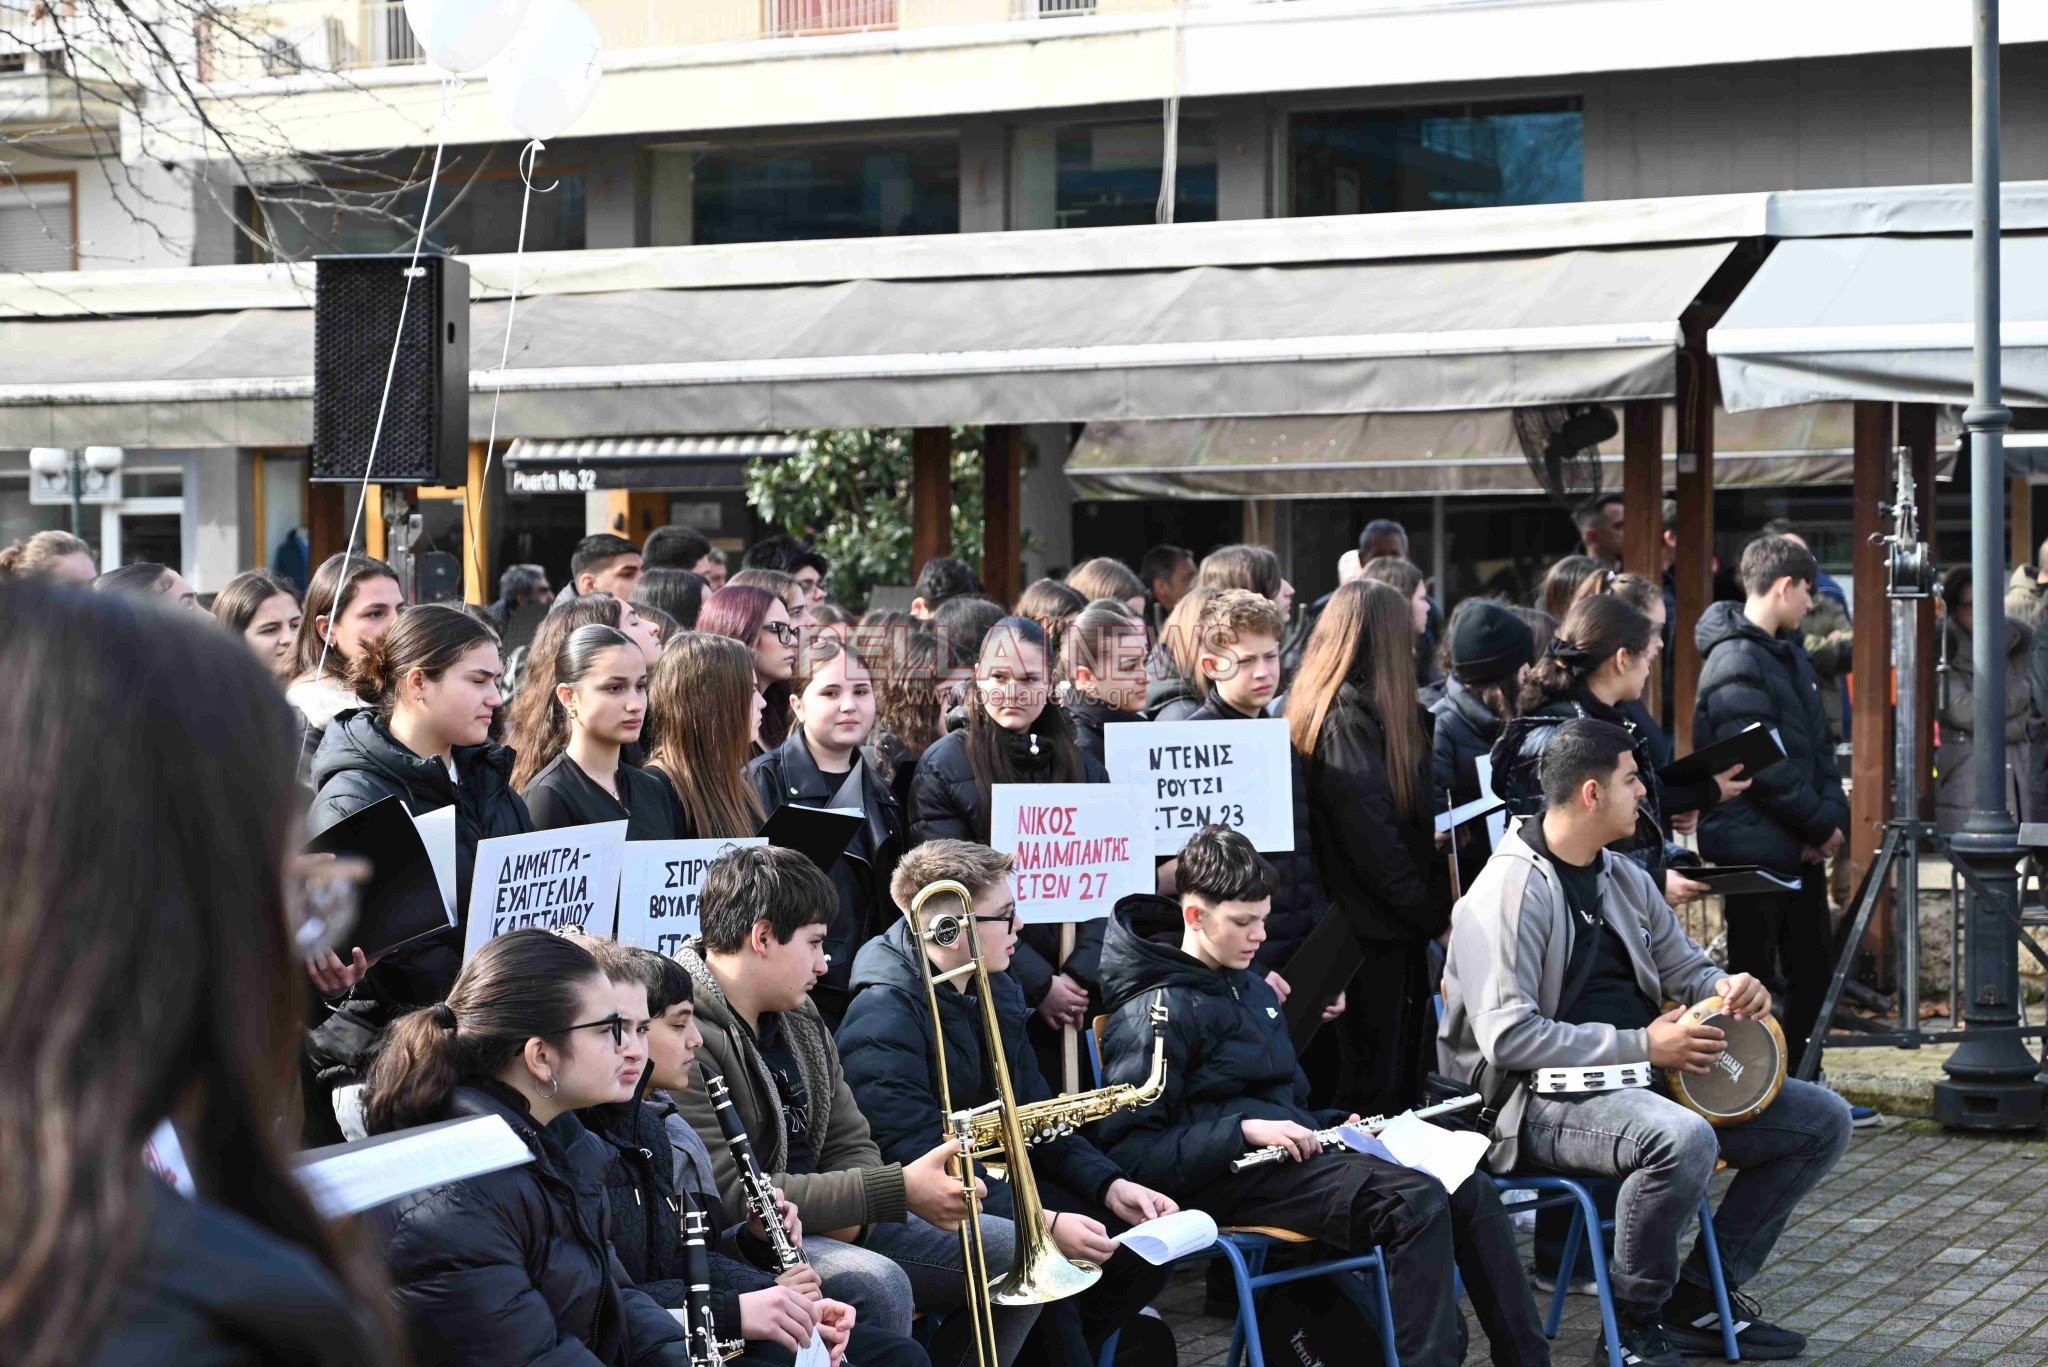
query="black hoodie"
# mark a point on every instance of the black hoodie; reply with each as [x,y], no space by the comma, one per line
[1228,1055]
[1749,676]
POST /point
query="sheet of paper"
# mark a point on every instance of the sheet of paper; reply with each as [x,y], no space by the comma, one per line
[163,1155]
[815,1353]
[345,1179]
[1170,1236]
[437,833]
[1496,822]
[1450,1156]
[1459,815]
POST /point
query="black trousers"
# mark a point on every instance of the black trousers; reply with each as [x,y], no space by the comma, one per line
[1354,1202]
[1074,1330]
[1384,1040]
[1784,940]
[866,1347]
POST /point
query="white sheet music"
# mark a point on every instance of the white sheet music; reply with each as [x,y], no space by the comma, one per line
[1450,1156]
[345,1179]
[1170,1236]
[815,1353]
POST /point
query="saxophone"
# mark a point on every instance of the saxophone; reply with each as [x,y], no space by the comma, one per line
[1044,1121]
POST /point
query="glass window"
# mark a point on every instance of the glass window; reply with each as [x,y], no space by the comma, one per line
[1108,174]
[153,484]
[765,194]
[484,219]
[1364,161]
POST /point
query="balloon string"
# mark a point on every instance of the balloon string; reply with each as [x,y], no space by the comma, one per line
[529,158]
[448,84]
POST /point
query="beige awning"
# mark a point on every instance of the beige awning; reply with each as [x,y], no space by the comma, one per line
[1378,454]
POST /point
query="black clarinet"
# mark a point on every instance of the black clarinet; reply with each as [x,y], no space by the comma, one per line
[707,1349]
[760,1196]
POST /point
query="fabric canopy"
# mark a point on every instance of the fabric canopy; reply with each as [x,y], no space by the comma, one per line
[1357,455]
[1057,346]
[1884,318]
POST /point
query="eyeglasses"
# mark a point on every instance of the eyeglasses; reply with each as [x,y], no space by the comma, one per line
[1008,920]
[785,632]
[615,1023]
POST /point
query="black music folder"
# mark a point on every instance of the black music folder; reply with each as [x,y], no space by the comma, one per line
[1323,967]
[820,834]
[1756,748]
[402,901]
[1741,880]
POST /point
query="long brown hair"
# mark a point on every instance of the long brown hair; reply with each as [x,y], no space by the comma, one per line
[244,595]
[333,588]
[1365,638]
[701,701]
[741,611]
[523,985]
[1563,583]
[1589,636]
[162,980]
[1241,567]
[908,709]
[529,717]
[575,659]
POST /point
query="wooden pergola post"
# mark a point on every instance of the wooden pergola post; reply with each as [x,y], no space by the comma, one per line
[1002,496]
[1642,502]
[1694,570]
[931,495]
[1871,677]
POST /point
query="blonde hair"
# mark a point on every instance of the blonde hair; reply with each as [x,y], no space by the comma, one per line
[1182,636]
[34,557]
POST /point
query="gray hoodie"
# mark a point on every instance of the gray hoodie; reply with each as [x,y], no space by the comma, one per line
[1511,940]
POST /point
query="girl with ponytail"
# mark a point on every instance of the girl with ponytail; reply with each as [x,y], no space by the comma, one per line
[56,556]
[430,689]
[597,707]
[1102,676]
[513,1266]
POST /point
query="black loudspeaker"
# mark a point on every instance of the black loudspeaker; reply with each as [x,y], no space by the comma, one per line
[355,319]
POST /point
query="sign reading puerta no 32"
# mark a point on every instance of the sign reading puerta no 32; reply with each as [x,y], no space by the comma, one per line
[1208,773]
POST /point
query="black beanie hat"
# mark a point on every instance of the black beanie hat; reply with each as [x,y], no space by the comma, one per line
[1490,643]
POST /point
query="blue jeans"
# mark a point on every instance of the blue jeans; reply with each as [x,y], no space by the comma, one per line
[1665,1156]
[916,1265]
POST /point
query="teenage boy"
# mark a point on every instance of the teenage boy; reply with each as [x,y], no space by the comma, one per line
[1233,1085]
[605,564]
[1239,657]
[883,1232]
[1791,820]
[890,1051]
[1560,957]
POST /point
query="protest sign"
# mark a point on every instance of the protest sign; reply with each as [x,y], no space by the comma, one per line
[548,880]
[658,885]
[1208,773]
[1078,846]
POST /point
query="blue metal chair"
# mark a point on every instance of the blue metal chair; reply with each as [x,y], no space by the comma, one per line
[1245,1248]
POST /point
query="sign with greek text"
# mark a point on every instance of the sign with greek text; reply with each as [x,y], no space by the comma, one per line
[1208,773]
[547,880]
[1078,846]
[658,886]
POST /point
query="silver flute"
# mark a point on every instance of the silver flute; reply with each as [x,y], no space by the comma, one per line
[760,1196]
[1332,1139]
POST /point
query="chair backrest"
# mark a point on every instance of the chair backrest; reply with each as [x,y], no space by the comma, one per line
[1095,1029]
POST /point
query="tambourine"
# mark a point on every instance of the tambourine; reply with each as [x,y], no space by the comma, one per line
[1747,1076]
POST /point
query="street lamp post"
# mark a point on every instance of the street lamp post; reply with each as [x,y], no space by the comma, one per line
[1991,1081]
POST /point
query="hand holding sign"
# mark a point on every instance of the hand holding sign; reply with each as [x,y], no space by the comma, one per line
[1208,773]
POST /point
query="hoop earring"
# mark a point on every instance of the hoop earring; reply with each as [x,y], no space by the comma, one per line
[554,1085]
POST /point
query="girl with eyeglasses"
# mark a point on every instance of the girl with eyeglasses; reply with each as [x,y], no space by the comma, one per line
[514,1266]
[822,764]
[759,619]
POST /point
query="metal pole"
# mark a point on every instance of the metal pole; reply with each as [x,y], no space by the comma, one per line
[75,466]
[1906,771]
[1991,1082]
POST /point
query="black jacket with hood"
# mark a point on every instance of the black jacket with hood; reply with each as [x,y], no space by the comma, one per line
[517,1266]
[1088,716]
[1228,1055]
[886,1046]
[789,774]
[1300,900]
[1382,872]
[946,805]
[1749,676]
[1466,728]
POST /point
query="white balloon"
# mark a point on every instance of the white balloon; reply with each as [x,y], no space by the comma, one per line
[548,76]
[462,35]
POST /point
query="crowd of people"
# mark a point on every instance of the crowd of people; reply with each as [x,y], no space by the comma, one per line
[157,980]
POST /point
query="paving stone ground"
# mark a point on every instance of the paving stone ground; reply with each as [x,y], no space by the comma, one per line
[1921,1247]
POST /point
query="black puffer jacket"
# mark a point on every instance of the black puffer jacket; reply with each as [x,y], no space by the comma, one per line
[517,1266]
[208,1286]
[946,805]
[1228,1055]
[1088,716]
[647,1211]
[789,774]
[886,1047]
[1466,728]
[1300,900]
[1748,676]
[1518,755]
[1170,699]
[1382,872]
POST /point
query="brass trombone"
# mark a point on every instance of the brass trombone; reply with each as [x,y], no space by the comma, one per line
[1041,1273]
